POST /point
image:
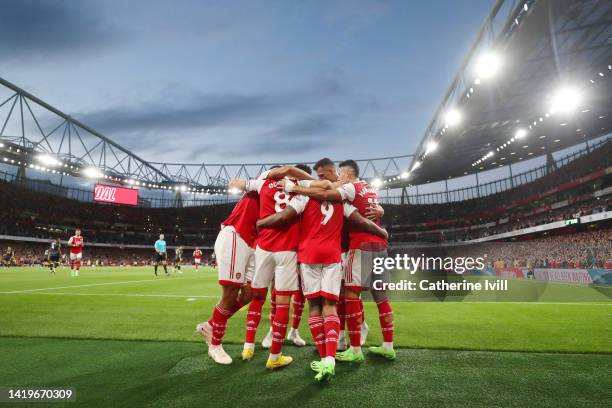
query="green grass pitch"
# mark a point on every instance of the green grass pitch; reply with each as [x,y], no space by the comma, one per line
[123,337]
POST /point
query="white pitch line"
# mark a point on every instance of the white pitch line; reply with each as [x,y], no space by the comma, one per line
[515,303]
[215,297]
[85,286]
[111,294]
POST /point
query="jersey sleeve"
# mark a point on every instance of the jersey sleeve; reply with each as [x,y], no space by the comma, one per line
[255,185]
[347,191]
[263,175]
[348,209]
[299,203]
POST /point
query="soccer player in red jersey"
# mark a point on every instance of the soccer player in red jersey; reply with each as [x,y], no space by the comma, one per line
[76,252]
[364,248]
[235,262]
[275,259]
[197,258]
[320,266]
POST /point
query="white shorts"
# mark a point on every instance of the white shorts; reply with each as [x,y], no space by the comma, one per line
[234,258]
[76,257]
[358,267]
[197,261]
[279,266]
[321,280]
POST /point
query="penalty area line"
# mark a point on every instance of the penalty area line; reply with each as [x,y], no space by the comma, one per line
[83,286]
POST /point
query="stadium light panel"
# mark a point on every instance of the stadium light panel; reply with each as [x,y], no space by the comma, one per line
[48,160]
[565,100]
[405,175]
[431,147]
[521,133]
[453,117]
[416,165]
[91,172]
[377,182]
[488,65]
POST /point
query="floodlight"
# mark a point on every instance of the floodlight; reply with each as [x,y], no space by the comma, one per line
[521,133]
[48,160]
[431,147]
[452,117]
[565,100]
[488,65]
[91,172]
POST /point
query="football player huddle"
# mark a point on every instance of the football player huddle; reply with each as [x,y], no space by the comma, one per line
[302,237]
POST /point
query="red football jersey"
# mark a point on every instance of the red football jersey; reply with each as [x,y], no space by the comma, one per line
[273,199]
[363,196]
[198,254]
[76,244]
[321,227]
[244,216]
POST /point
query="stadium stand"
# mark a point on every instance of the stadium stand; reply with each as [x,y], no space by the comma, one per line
[123,235]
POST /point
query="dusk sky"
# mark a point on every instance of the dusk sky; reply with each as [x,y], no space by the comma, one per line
[242,81]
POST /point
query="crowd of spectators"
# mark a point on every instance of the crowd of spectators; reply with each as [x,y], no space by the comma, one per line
[496,206]
[24,212]
[588,249]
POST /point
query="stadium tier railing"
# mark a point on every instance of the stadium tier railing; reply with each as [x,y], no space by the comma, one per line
[192,200]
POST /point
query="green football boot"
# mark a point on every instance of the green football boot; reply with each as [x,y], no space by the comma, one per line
[316,366]
[350,356]
[380,351]
[326,373]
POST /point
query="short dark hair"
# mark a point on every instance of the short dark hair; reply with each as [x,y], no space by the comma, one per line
[324,162]
[275,167]
[304,167]
[352,164]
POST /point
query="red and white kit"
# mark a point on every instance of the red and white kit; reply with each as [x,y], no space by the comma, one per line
[235,242]
[320,246]
[275,254]
[76,247]
[363,246]
[197,257]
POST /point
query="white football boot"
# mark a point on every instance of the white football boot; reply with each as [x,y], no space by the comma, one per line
[267,341]
[294,337]
[219,355]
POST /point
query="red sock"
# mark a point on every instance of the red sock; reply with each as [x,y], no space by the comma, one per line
[318,335]
[341,313]
[332,333]
[272,306]
[279,328]
[353,320]
[253,318]
[385,315]
[361,308]
[298,308]
[218,321]
[78,265]
[71,264]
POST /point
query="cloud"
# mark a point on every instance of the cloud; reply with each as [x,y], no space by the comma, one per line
[302,134]
[237,125]
[39,28]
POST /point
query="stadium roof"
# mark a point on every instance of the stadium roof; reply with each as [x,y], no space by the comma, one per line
[545,74]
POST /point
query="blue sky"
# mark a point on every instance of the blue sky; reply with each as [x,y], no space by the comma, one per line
[242,81]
